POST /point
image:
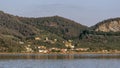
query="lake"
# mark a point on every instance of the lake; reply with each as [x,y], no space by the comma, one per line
[60,61]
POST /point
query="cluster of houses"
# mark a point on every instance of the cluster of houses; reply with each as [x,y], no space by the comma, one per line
[68,44]
[69,47]
[29,49]
[42,49]
[50,41]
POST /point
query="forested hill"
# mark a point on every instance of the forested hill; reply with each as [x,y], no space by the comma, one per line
[11,25]
[22,26]
[14,29]
[23,34]
[60,26]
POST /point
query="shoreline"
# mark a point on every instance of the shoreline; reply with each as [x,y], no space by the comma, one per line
[70,53]
[82,55]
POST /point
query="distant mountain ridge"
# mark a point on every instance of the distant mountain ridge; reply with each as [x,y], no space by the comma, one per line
[24,25]
[61,26]
[15,28]
[12,25]
[17,34]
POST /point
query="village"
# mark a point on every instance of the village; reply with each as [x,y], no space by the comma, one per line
[43,49]
[69,48]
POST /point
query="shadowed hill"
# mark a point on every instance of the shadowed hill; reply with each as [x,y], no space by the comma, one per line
[14,29]
[19,34]
[58,25]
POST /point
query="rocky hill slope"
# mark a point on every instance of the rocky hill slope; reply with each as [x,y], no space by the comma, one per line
[109,25]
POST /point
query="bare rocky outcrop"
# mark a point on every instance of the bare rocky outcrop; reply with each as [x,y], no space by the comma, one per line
[110,25]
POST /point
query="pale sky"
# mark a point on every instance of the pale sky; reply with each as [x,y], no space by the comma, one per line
[86,12]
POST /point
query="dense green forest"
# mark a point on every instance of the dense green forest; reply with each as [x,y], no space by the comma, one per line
[100,40]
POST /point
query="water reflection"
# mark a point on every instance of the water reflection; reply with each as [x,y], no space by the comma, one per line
[59,56]
[60,63]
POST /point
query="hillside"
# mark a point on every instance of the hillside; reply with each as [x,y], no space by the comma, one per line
[15,30]
[104,35]
[98,41]
[56,34]
[58,25]
[109,25]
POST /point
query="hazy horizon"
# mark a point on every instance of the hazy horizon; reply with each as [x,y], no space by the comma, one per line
[82,11]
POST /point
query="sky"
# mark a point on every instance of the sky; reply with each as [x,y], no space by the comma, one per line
[86,12]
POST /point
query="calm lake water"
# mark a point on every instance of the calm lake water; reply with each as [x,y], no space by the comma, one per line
[81,61]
